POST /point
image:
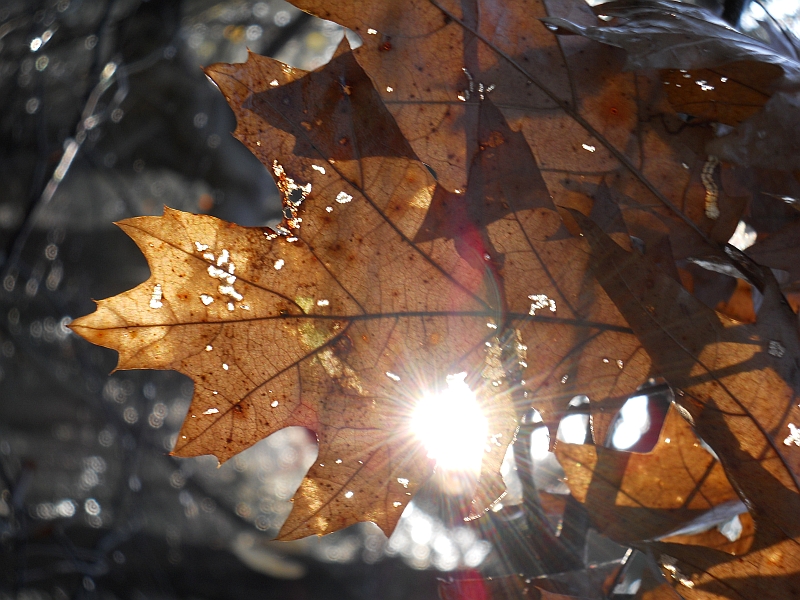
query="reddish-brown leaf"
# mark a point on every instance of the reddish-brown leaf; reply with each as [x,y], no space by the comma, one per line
[634,496]
[740,383]
[586,120]
[327,322]
[726,94]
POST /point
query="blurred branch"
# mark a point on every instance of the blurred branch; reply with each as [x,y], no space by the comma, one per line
[110,74]
[287,33]
[732,11]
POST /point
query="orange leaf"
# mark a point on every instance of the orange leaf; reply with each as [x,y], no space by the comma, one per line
[634,496]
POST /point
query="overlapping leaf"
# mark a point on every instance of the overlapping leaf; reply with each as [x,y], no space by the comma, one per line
[740,383]
[633,496]
[593,129]
[422,58]
[661,34]
[586,120]
[336,321]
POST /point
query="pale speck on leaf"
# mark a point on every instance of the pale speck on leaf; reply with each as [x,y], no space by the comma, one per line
[793,437]
[540,301]
[155,299]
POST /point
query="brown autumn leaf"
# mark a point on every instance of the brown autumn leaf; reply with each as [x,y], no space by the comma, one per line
[526,261]
[587,121]
[384,273]
[592,128]
[633,496]
[324,323]
[726,94]
[491,183]
[344,305]
[740,383]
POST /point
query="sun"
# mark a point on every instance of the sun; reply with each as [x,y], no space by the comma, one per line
[452,426]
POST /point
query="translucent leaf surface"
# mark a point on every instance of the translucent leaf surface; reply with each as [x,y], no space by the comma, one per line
[634,496]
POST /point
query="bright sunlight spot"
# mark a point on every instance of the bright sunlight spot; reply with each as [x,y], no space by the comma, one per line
[633,421]
[540,443]
[452,427]
[573,428]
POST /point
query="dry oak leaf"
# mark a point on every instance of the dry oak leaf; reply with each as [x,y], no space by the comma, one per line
[741,385]
[414,57]
[554,324]
[739,382]
[328,321]
[727,94]
[586,126]
[329,129]
[587,122]
[272,339]
[632,496]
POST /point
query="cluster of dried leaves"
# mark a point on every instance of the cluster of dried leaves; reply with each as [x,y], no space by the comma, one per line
[536,197]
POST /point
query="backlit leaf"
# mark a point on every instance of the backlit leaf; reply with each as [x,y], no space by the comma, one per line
[339,325]
[740,383]
[634,496]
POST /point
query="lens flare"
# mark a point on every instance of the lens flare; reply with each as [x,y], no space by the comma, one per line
[452,426]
